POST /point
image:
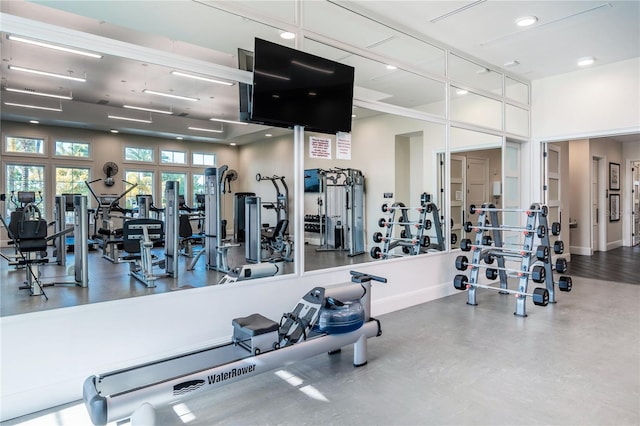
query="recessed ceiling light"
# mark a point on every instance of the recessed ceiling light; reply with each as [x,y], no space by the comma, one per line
[179,138]
[232,144]
[461,92]
[287,35]
[392,67]
[586,61]
[34,122]
[510,64]
[525,21]
[114,131]
[353,116]
[268,135]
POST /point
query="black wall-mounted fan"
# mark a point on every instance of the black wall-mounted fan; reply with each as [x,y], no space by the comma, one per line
[110,169]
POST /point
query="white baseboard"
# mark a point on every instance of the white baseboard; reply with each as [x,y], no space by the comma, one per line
[614,245]
[583,251]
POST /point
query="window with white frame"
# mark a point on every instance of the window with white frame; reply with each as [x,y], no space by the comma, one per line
[173,157]
[181,178]
[138,154]
[144,179]
[203,159]
[14,144]
[21,178]
[198,186]
[70,180]
[72,149]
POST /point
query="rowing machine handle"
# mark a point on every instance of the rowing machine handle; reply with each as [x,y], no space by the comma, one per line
[360,277]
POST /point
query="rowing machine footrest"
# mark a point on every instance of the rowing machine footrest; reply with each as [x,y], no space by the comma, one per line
[255,333]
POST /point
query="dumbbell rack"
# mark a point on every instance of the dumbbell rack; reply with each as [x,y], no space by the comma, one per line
[536,227]
[398,214]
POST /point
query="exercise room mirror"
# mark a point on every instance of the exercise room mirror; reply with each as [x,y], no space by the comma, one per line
[476,176]
[387,161]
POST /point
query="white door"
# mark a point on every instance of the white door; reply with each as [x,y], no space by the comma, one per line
[595,220]
[554,188]
[635,208]
[458,215]
[477,182]
[511,161]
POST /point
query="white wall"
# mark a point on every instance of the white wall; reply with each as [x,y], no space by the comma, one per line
[47,355]
[598,101]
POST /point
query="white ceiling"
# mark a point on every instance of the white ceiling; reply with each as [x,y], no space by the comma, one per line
[565,31]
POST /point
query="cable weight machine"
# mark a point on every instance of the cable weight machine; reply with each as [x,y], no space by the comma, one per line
[341,210]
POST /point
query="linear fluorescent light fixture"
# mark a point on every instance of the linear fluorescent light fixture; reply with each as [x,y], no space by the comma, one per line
[47,74]
[200,129]
[137,120]
[33,92]
[159,111]
[456,11]
[54,46]
[169,95]
[197,77]
[221,120]
[33,106]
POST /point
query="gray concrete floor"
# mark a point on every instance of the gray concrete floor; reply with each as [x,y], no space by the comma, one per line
[576,362]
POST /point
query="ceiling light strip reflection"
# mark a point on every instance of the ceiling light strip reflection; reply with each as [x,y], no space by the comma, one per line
[54,47]
[47,74]
[169,95]
[159,111]
[33,106]
[196,77]
[200,129]
[221,120]
[137,120]
[33,92]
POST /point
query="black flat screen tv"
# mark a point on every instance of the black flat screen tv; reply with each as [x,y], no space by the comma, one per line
[291,87]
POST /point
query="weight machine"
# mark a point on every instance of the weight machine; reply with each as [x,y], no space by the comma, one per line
[216,246]
[28,230]
[108,236]
[341,210]
[23,199]
[140,235]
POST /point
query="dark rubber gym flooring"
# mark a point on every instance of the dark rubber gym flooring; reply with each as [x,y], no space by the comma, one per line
[621,264]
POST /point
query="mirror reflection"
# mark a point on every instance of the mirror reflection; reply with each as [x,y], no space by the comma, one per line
[389,161]
[475,176]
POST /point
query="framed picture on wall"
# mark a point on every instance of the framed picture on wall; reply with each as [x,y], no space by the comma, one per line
[614,207]
[614,176]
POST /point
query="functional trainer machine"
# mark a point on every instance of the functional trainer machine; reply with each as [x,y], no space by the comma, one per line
[325,320]
[341,205]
